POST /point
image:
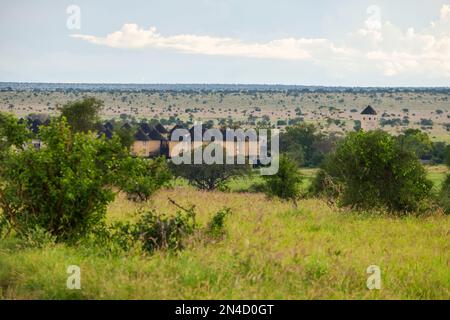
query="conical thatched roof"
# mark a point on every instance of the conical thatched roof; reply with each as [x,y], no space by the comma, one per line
[161,128]
[369,110]
[140,135]
[145,127]
[126,126]
[155,135]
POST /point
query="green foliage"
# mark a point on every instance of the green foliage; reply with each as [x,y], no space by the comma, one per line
[140,178]
[440,152]
[11,132]
[126,137]
[38,237]
[61,187]
[159,231]
[416,141]
[216,227]
[209,176]
[371,169]
[304,145]
[444,196]
[285,184]
[82,115]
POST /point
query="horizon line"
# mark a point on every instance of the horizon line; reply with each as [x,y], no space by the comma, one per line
[223,84]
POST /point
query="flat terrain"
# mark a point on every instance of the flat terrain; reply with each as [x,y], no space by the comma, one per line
[332,111]
[271,251]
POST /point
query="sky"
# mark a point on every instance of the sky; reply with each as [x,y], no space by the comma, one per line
[320,42]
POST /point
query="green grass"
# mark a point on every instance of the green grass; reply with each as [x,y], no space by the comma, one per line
[271,251]
[255,182]
[437,174]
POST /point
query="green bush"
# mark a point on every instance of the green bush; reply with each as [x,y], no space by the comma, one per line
[60,187]
[160,231]
[12,133]
[156,231]
[216,227]
[38,237]
[371,169]
[140,178]
[285,184]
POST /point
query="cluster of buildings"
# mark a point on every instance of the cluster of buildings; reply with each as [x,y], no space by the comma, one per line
[151,140]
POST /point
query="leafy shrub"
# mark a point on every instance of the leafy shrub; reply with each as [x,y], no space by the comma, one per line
[285,184]
[38,237]
[371,169]
[61,187]
[216,227]
[140,178]
[159,231]
[12,133]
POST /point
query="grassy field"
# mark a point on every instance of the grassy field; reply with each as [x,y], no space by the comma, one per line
[437,174]
[271,251]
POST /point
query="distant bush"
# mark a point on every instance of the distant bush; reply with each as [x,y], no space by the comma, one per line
[209,176]
[305,145]
[285,184]
[371,169]
[82,115]
[426,122]
[417,142]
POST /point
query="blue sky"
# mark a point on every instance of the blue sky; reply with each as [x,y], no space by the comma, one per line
[347,43]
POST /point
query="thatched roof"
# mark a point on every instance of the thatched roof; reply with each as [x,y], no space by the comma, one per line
[145,127]
[155,135]
[369,110]
[140,135]
[161,128]
[126,126]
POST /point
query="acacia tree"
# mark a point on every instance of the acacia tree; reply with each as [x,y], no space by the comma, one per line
[209,176]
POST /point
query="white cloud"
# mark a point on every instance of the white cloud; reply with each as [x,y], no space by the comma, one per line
[445,12]
[133,37]
[377,44]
